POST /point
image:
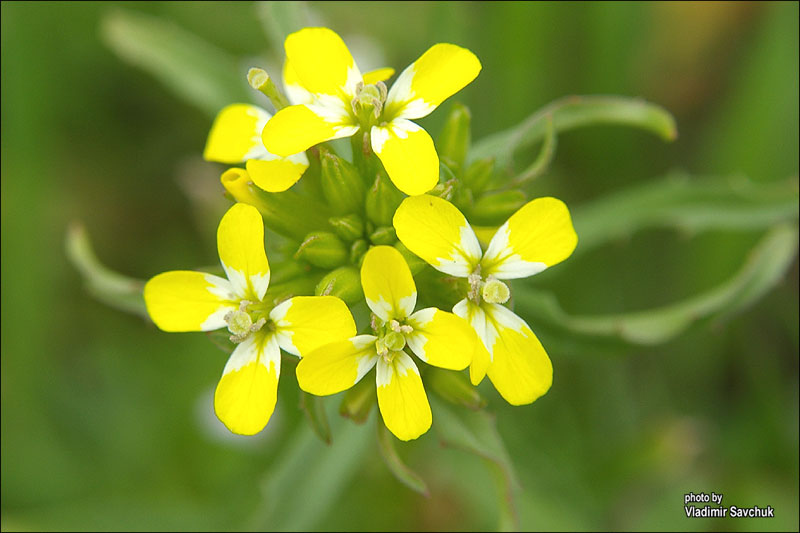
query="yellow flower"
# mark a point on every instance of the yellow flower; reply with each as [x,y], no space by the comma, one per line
[194,301]
[537,236]
[437,337]
[337,101]
[235,137]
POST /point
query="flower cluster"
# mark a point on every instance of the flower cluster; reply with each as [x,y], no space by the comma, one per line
[363,227]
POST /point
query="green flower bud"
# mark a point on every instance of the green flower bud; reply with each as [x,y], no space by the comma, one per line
[285,212]
[383,235]
[415,264]
[344,282]
[454,140]
[322,249]
[348,227]
[382,200]
[357,251]
[495,208]
[359,399]
[454,387]
[342,185]
[479,175]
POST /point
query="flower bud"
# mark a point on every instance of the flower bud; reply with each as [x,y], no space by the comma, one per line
[415,264]
[495,208]
[382,200]
[358,400]
[348,227]
[478,175]
[322,249]
[342,185]
[454,140]
[454,387]
[286,212]
[357,251]
[383,235]
[344,283]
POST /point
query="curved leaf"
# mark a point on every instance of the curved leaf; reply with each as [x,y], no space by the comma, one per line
[763,269]
[574,112]
[475,432]
[403,473]
[192,68]
[109,287]
[689,204]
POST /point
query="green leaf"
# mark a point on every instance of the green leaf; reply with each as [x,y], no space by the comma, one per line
[542,161]
[279,19]
[314,409]
[574,112]
[476,432]
[308,477]
[689,204]
[405,475]
[765,266]
[114,289]
[192,68]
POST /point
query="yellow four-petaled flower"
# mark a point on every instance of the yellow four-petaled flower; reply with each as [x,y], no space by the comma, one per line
[195,301]
[338,102]
[437,337]
[537,236]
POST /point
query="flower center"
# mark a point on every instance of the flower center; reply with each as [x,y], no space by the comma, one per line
[368,103]
[491,290]
[391,337]
[240,324]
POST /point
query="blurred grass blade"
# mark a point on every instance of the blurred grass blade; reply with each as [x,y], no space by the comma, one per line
[475,432]
[114,289]
[279,19]
[688,204]
[405,475]
[542,161]
[195,70]
[308,477]
[574,112]
[765,266]
[314,409]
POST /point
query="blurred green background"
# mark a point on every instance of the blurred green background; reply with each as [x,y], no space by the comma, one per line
[107,423]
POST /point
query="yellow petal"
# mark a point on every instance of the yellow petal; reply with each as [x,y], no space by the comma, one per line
[246,393]
[435,230]
[295,92]
[322,62]
[240,241]
[438,74]
[408,155]
[184,300]
[481,358]
[442,339]
[401,397]
[304,323]
[278,174]
[520,369]
[388,286]
[379,74]
[299,127]
[537,236]
[236,134]
[337,366]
